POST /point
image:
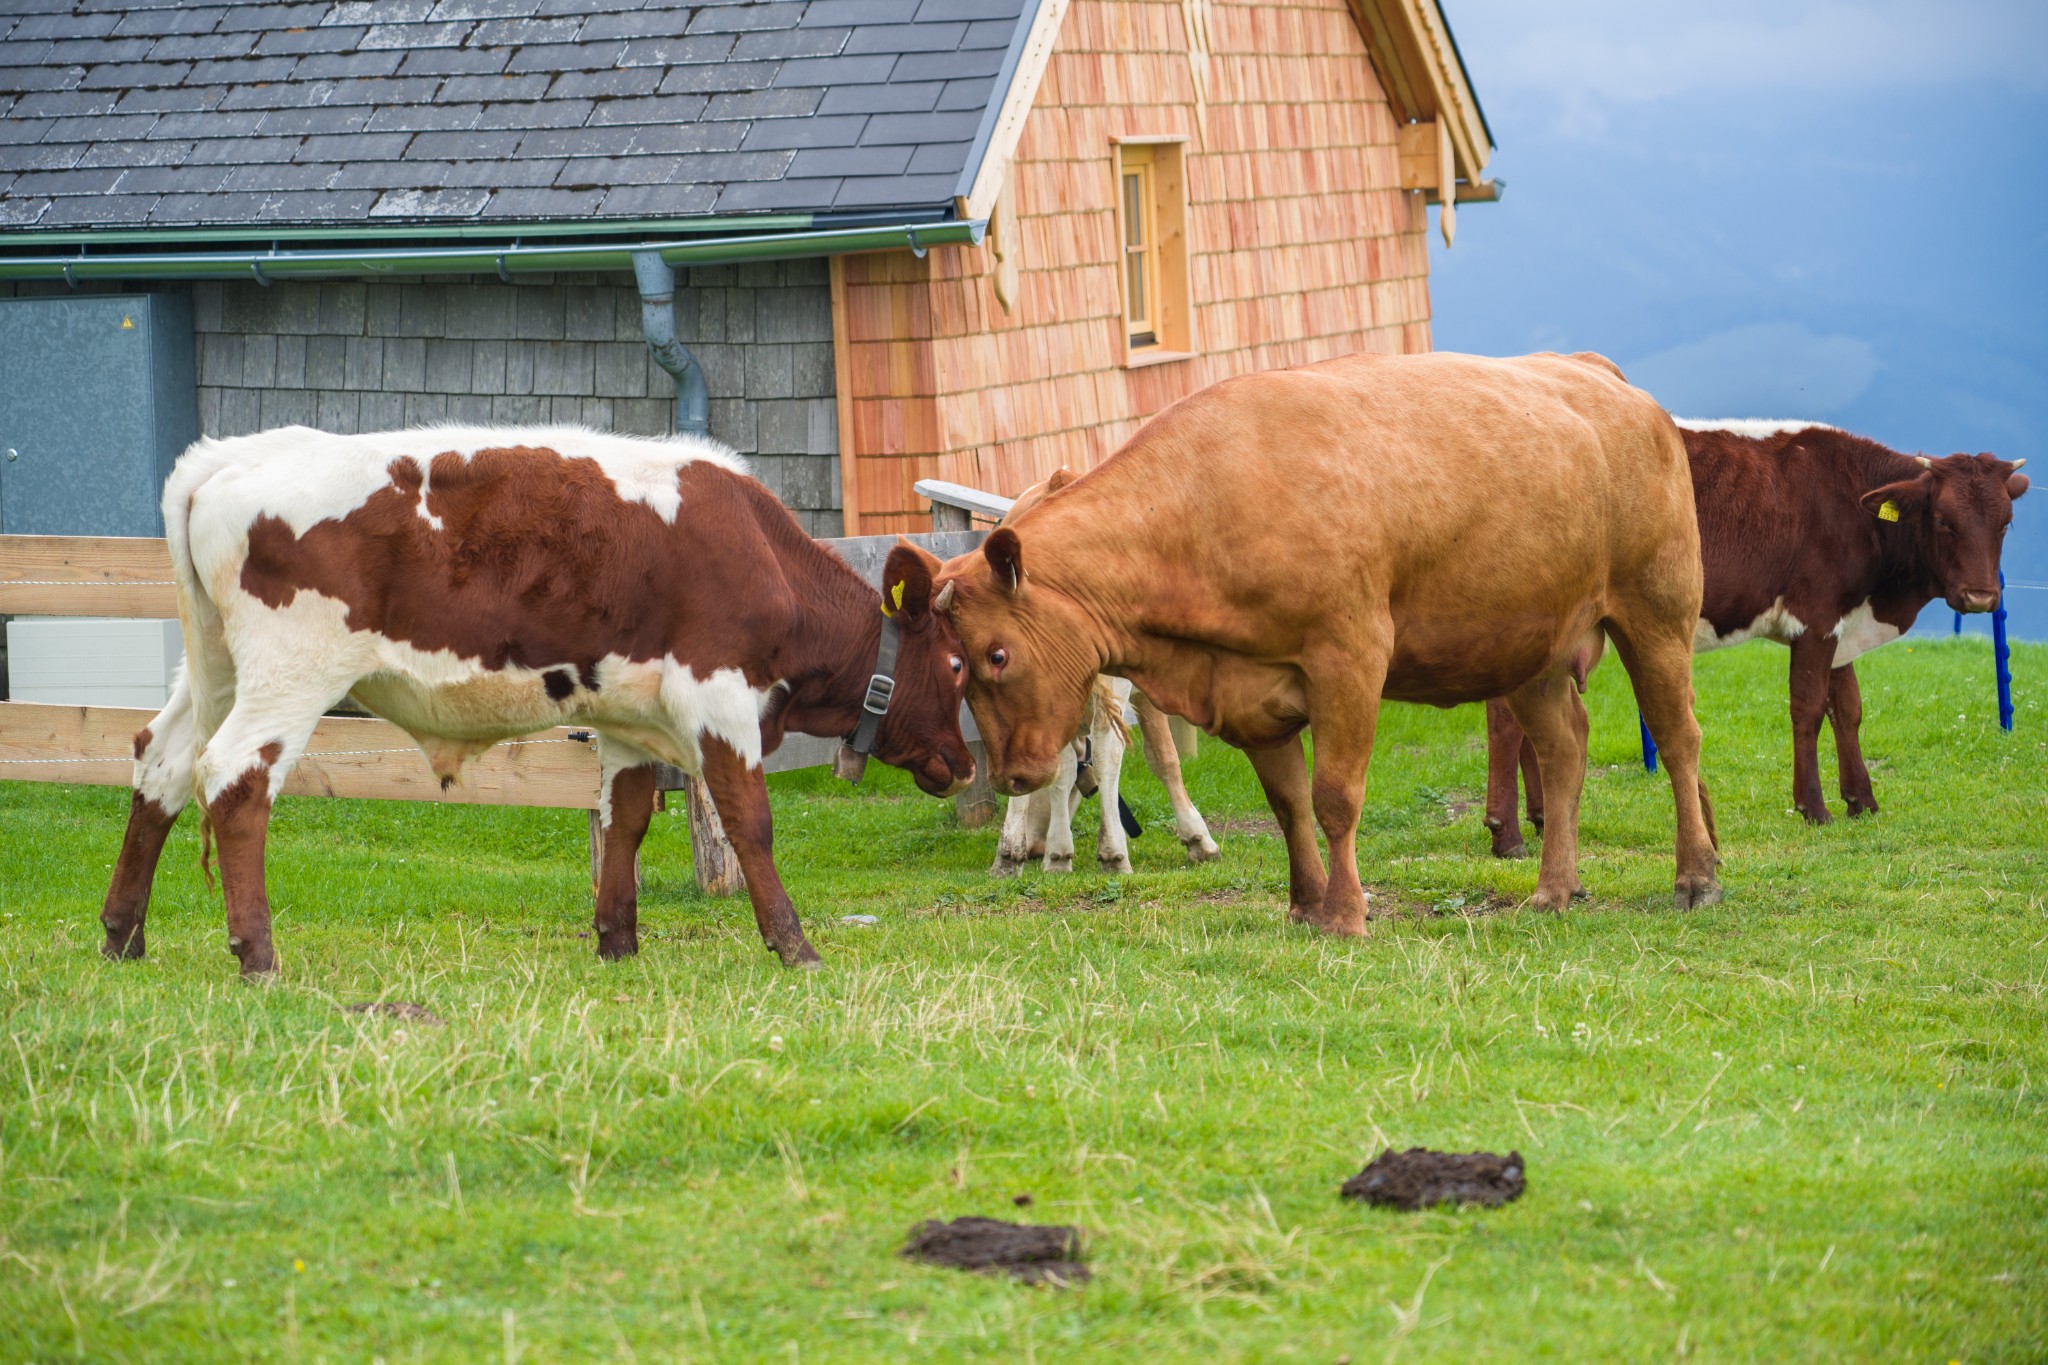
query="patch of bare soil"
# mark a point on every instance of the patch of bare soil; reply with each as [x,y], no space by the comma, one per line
[1263,825]
[1033,1254]
[1419,1178]
[1469,904]
[399,1009]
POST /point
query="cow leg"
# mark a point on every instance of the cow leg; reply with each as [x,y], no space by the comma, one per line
[1548,709]
[1813,658]
[1155,731]
[241,769]
[1014,844]
[1660,669]
[1845,716]
[1112,849]
[624,811]
[165,751]
[1343,734]
[1532,784]
[1504,744]
[1061,798]
[739,793]
[1283,773]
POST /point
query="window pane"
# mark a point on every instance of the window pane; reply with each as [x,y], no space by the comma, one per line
[1134,267]
[1134,209]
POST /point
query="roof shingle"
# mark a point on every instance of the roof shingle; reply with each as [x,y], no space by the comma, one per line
[328,112]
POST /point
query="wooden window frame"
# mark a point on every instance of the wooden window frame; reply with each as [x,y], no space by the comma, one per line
[1161,162]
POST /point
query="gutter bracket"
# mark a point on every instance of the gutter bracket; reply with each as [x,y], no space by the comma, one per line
[657,281]
[917,248]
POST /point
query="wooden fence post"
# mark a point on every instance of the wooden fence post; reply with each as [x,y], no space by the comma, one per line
[717,866]
[976,806]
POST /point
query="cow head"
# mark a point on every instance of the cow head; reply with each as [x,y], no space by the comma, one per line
[1960,505]
[1030,659]
[920,733]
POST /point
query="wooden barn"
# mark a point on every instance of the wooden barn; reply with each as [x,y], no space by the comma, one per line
[877,240]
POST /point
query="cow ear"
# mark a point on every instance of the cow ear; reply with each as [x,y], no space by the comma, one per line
[907,582]
[1894,500]
[1005,556]
[2016,482]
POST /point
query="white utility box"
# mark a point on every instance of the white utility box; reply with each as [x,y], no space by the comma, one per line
[90,661]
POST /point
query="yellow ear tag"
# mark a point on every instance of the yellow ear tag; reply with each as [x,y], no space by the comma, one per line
[897,594]
[1888,511]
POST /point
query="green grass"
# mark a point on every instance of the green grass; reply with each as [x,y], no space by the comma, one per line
[1807,1123]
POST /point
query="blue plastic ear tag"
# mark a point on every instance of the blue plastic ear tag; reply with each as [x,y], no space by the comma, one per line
[1888,511]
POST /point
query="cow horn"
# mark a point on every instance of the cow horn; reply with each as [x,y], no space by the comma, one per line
[944,601]
[1925,463]
[2016,464]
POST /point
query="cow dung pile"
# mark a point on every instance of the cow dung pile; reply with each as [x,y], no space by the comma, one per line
[1035,1255]
[1419,1178]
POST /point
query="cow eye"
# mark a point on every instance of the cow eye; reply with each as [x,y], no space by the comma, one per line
[954,660]
[998,656]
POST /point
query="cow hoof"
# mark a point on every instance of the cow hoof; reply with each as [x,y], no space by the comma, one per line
[1060,862]
[1861,808]
[610,948]
[1518,850]
[1545,898]
[1116,866]
[122,947]
[1337,924]
[1202,849]
[1693,893]
[258,959]
[800,955]
[1817,816]
[1005,866]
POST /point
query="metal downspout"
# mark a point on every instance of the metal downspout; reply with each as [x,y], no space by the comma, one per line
[657,279]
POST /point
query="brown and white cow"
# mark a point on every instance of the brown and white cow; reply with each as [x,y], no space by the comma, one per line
[1280,551]
[474,585]
[1826,542]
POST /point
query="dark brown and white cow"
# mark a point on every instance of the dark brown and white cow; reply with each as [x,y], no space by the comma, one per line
[1828,543]
[474,585]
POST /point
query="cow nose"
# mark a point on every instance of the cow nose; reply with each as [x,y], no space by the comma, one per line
[1979,601]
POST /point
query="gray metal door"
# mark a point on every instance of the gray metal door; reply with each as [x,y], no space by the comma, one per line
[97,397]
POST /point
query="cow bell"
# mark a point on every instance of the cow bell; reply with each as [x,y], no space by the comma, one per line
[849,764]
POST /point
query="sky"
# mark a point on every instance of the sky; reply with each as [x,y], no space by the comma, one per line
[1797,209]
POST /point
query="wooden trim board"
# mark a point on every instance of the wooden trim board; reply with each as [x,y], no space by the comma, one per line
[1017,101]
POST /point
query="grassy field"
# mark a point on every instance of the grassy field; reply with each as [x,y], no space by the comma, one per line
[1804,1124]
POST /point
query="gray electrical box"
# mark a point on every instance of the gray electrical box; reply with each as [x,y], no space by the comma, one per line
[97,398]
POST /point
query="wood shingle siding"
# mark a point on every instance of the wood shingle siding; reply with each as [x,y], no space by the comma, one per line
[1302,245]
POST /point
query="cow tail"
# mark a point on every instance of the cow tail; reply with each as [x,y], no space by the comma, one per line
[209,667]
[206,847]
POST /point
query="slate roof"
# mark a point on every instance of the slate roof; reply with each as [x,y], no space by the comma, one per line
[238,113]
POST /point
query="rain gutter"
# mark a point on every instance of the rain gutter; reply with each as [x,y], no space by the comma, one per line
[505,259]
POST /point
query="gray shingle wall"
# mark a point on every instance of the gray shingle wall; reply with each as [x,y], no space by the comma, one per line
[352,356]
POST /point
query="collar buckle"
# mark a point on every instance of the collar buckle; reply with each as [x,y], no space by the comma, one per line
[881,687]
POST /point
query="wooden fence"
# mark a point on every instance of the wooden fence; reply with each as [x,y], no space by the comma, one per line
[352,756]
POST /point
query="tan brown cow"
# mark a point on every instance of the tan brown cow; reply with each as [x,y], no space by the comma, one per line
[1280,551]
[1042,824]
[476,584]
